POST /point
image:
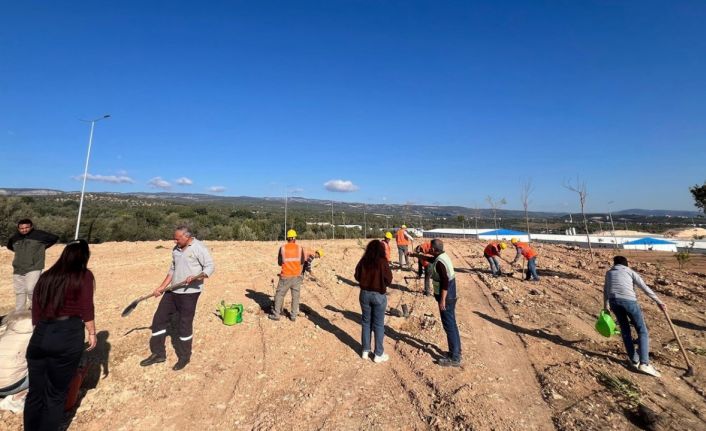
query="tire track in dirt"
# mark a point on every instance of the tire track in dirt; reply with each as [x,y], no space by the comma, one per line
[504,355]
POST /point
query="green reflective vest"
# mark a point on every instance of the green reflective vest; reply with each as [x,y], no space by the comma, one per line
[435,279]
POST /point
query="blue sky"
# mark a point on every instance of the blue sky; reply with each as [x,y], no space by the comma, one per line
[410,101]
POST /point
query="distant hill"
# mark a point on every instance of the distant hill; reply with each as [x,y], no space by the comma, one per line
[296,202]
[658,213]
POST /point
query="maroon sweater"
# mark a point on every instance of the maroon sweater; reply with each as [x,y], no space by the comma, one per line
[375,278]
[77,303]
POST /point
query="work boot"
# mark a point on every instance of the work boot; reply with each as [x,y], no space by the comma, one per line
[448,362]
[152,359]
[181,363]
[272,317]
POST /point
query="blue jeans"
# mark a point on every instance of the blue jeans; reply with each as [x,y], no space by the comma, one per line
[532,269]
[373,306]
[448,320]
[627,312]
[494,264]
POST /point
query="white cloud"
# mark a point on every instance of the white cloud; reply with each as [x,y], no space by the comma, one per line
[159,183]
[183,181]
[112,179]
[340,186]
[216,189]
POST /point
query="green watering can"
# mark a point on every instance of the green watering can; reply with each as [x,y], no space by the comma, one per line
[605,324]
[231,313]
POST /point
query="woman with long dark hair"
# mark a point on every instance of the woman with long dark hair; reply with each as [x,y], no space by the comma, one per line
[62,306]
[374,275]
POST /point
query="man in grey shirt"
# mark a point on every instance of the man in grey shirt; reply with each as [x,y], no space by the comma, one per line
[620,298]
[191,264]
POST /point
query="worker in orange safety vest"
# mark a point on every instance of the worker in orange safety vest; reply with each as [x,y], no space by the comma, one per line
[291,258]
[403,239]
[523,249]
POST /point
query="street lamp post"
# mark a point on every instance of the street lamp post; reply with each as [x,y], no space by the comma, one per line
[85,170]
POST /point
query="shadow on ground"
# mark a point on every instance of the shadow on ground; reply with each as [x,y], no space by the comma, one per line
[544,335]
[413,342]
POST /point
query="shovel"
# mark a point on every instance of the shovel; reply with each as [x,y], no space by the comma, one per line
[689,368]
[134,303]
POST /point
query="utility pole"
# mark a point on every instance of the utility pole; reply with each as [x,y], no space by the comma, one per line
[333,226]
[612,226]
[345,229]
[286,198]
[365,223]
[85,170]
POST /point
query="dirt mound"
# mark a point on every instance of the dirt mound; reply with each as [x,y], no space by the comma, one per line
[531,358]
[688,233]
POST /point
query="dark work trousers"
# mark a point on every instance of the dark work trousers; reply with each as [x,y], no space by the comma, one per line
[427,277]
[53,354]
[185,305]
[448,321]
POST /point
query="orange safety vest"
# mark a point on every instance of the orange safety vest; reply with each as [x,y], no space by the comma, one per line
[386,244]
[426,249]
[401,238]
[291,254]
[492,249]
[527,251]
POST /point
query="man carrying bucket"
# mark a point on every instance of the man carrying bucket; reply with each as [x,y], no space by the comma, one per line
[191,263]
[619,297]
[291,258]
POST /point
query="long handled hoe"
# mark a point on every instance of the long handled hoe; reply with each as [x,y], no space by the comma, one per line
[689,368]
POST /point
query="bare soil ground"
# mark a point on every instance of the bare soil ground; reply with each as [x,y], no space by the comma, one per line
[532,359]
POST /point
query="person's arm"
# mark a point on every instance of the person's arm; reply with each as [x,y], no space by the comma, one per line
[518,253]
[46,238]
[280,261]
[426,257]
[10,243]
[637,280]
[409,237]
[207,266]
[386,273]
[88,309]
[443,284]
[357,272]
[303,256]
[168,279]
[606,304]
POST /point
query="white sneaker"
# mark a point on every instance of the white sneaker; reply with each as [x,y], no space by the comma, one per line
[649,369]
[382,358]
[365,354]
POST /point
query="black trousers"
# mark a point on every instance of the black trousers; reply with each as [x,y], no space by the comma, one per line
[185,306]
[53,355]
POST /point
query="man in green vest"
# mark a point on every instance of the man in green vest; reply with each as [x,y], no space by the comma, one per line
[443,280]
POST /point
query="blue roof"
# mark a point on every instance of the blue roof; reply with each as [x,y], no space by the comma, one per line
[648,241]
[504,232]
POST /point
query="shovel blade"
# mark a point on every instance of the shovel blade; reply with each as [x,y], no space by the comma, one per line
[129,308]
[689,372]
